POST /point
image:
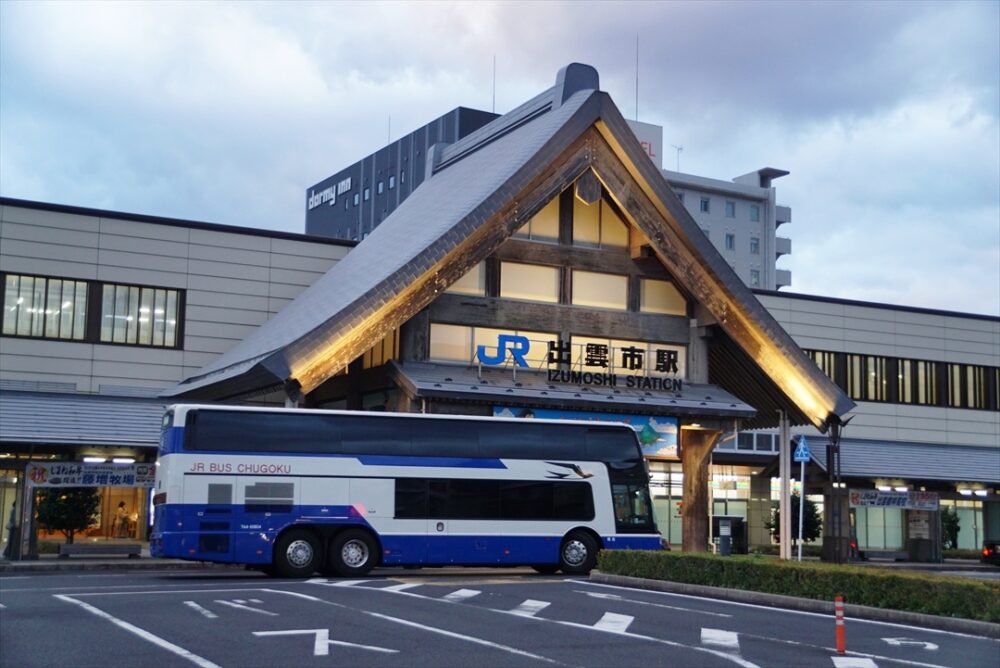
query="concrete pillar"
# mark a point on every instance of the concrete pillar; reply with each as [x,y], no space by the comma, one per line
[696,450]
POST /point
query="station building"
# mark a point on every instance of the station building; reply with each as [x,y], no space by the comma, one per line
[543,267]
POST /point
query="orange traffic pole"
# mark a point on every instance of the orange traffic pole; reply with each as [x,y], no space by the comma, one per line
[838,607]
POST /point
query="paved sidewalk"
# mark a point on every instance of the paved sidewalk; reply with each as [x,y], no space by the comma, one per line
[53,563]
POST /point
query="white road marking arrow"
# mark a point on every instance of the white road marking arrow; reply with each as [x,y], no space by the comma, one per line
[899,642]
[321,646]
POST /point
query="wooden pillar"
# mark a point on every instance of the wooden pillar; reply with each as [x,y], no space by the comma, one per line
[696,450]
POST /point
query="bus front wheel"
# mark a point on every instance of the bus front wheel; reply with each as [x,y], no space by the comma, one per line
[298,554]
[578,553]
[353,552]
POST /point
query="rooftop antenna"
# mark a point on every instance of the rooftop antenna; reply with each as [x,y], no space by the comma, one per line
[494,110]
[679,149]
[637,77]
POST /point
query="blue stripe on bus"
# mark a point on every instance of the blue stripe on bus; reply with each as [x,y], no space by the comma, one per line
[441,462]
[195,532]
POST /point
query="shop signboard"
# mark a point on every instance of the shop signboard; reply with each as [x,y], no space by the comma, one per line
[657,435]
[80,474]
[874,498]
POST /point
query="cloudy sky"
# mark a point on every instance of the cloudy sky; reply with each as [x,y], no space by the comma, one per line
[886,114]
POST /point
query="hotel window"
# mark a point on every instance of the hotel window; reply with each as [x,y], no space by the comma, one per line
[904,381]
[392,180]
[660,297]
[368,192]
[356,199]
[755,278]
[543,226]
[704,206]
[926,383]
[754,213]
[473,283]
[598,226]
[51,308]
[730,242]
[730,209]
[135,315]
[600,290]
[530,282]
[976,395]
[380,187]
[954,376]
[754,246]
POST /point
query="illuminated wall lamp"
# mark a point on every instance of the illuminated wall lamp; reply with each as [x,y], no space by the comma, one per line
[901,489]
[123,460]
[884,488]
[94,460]
[965,492]
[980,492]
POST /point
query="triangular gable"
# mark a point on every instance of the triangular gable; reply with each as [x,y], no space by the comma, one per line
[483,188]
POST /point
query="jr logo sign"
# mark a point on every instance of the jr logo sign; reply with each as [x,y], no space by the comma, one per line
[517,346]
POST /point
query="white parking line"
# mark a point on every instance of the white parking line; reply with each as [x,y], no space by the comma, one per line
[852,662]
[402,587]
[207,613]
[231,604]
[530,607]
[612,622]
[719,638]
[200,661]
[616,597]
[460,595]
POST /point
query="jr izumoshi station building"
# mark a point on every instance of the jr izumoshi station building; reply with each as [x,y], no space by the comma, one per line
[543,268]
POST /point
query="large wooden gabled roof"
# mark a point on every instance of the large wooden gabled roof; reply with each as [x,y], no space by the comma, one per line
[482,189]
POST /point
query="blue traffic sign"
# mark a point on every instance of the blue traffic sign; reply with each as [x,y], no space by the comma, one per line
[802,453]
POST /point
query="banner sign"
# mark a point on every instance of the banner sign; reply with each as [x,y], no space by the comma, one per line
[657,435]
[873,498]
[78,474]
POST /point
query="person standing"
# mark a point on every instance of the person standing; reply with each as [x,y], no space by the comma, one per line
[121,521]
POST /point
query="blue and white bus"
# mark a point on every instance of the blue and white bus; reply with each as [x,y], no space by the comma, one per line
[293,492]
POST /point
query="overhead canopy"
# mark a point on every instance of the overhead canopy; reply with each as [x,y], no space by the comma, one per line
[480,190]
[74,419]
[862,458]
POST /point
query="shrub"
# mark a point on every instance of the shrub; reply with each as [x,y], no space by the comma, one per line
[870,586]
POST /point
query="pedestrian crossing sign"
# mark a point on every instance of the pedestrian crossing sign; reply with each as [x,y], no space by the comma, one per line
[802,453]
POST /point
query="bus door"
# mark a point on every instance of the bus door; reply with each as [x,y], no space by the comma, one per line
[208,504]
[267,505]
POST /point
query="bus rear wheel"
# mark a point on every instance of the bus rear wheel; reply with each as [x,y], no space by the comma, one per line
[578,553]
[297,554]
[353,552]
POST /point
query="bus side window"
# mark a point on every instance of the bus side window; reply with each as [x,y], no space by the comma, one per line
[221,495]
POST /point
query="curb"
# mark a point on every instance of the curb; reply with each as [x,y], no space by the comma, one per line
[52,566]
[970,626]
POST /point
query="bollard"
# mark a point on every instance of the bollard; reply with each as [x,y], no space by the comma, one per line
[838,607]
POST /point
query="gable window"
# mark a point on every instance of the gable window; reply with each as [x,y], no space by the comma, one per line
[730,241]
[530,282]
[754,246]
[51,308]
[458,343]
[704,206]
[139,316]
[598,226]
[473,283]
[543,226]
[755,213]
[600,290]
[660,297]
[730,209]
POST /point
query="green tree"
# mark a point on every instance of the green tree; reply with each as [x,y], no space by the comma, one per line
[67,510]
[812,523]
[949,528]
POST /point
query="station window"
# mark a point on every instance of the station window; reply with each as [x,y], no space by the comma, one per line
[543,226]
[139,316]
[51,308]
[458,343]
[730,242]
[473,283]
[598,226]
[660,297]
[754,246]
[730,209]
[755,213]
[600,290]
[530,282]
[705,205]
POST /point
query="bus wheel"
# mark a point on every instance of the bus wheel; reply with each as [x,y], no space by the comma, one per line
[297,554]
[578,554]
[546,569]
[353,552]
